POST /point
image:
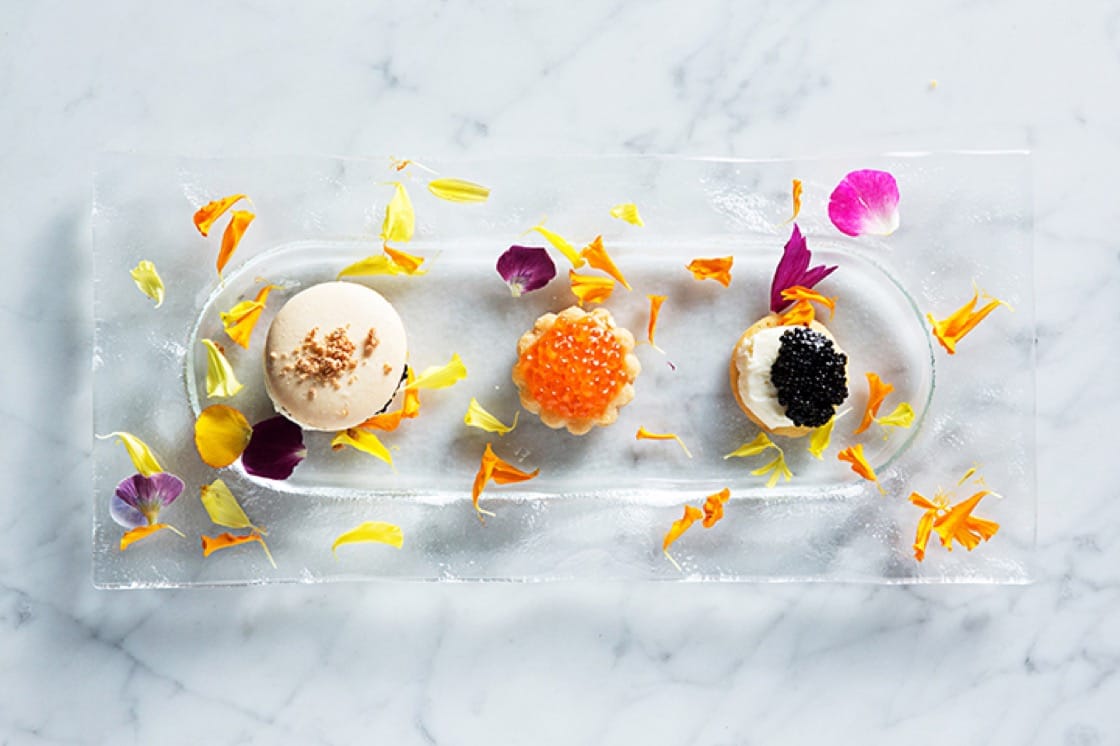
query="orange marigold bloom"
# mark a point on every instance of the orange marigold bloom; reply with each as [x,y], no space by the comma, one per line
[949,331]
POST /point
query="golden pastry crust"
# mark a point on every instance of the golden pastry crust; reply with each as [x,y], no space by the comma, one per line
[628,365]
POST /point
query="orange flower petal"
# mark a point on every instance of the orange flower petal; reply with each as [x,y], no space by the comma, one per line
[797,189]
[211,544]
[877,392]
[959,523]
[131,537]
[240,320]
[410,263]
[231,236]
[501,472]
[713,507]
[949,331]
[802,293]
[800,313]
[854,456]
[691,515]
[655,302]
[644,434]
[597,256]
[221,434]
[207,214]
[712,269]
[589,288]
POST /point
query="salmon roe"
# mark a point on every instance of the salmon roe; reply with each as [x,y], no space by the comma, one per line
[575,369]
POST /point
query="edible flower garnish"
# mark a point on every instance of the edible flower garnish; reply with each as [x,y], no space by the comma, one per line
[439,376]
[147,279]
[211,544]
[775,468]
[598,258]
[949,331]
[483,420]
[901,416]
[956,522]
[655,302]
[644,434]
[400,219]
[590,288]
[793,270]
[712,269]
[559,243]
[627,212]
[865,202]
[275,448]
[209,213]
[760,443]
[713,507]
[458,190]
[231,236]
[224,510]
[800,313]
[410,263]
[364,441]
[797,189]
[221,381]
[137,502]
[370,531]
[495,469]
[391,262]
[877,391]
[821,437]
[691,515]
[221,434]
[802,294]
[240,320]
[141,455]
[854,456]
[526,268]
[410,408]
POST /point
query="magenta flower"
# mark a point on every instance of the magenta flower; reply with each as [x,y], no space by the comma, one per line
[793,269]
[275,448]
[138,499]
[525,269]
[865,202]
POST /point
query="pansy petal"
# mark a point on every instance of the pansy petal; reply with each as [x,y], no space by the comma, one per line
[718,269]
[223,508]
[400,219]
[627,212]
[644,434]
[559,243]
[147,279]
[458,190]
[211,544]
[877,391]
[478,417]
[240,321]
[793,270]
[221,381]
[142,532]
[275,448]
[598,258]
[655,302]
[526,268]
[123,512]
[138,451]
[231,236]
[145,496]
[440,376]
[590,288]
[364,441]
[713,507]
[865,202]
[209,213]
[221,434]
[370,532]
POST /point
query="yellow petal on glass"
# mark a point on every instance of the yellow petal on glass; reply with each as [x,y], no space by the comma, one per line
[755,447]
[797,189]
[138,451]
[400,218]
[801,293]
[147,279]
[627,212]
[223,508]
[820,439]
[240,320]
[877,391]
[221,381]
[967,475]
[691,515]
[231,236]
[378,264]
[902,416]
[559,243]
[209,213]
[644,434]
[408,263]
[483,420]
[718,269]
[134,535]
[655,302]
[221,434]
[458,190]
[440,376]
[364,441]
[370,532]
[854,456]
[949,331]
[211,544]
[590,288]
[597,256]
[776,468]
[390,421]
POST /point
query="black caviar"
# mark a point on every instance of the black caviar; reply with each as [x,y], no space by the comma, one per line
[810,377]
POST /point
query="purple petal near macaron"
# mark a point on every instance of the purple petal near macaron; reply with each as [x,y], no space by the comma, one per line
[526,268]
[138,499]
[275,448]
[793,269]
[865,202]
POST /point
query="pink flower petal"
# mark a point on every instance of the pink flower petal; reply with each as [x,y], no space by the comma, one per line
[865,202]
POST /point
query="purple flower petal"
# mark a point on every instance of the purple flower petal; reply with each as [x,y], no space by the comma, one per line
[138,499]
[275,448]
[793,269]
[865,202]
[526,268]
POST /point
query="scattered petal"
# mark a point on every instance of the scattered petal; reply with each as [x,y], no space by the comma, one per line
[483,420]
[949,331]
[797,188]
[526,268]
[800,313]
[691,515]
[390,421]
[221,381]
[400,218]
[275,448]
[378,264]
[138,499]
[971,471]
[865,202]
[221,434]
[495,469]
[925,524]
[776,468]
[408,263]
[223,508]
[590,288]
[209,213]
[713,507]
[712,269]
[801,294]
[142,457]
[854,456]
[627,212]
[902,416]
[240,321]
[644,434]
[793,270]
[877,392]
[364,441]
[231,236]
[440,376]
[755,447]
[597,256]
[211,544]
[655,302]
[457,190]
[147,279]
[371,531]
[958,523]
[559,243]
[820,439]
[141,532]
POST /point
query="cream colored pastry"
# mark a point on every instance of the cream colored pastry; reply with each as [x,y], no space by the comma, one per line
[334,356]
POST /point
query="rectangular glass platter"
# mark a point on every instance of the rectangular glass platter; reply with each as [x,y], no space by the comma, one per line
[603,501]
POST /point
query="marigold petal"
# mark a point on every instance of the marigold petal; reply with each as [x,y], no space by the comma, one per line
[590,288]
[378,264]
[211,544]
[400,219]
[921,536]
[718,269]
[644,434]
[802,293]
[958,523]
[691,515]
[364,441]
[209,213]
[559,243]
[221,434]
[409,263]
[221,381]
[877,391]
[776,468]
[821,438]
[598,258]
[796,194]
[760,443]
[949,331]
[800,313]
[901,416]
[627,212]
[231,236]
[655,302]
[148,281]
[141,455]
[128,538]
[240,321]
[854,456]
[713,507]
[492,468]
[458,190]
[390,421]
[478,417]
[440,376]
[377,532]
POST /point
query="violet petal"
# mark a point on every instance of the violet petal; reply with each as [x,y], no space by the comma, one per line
[138,499]
[526,268]
[275,448]
[793,269]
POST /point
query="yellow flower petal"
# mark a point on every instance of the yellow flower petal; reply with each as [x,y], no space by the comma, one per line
[440,376]
[902,416]
[457,190]
[797,189]
[718,269]
[364,441]
[231,236]
[206,215]
[223,508]
[400,218]
[408,263]
[142,457]
[644,434]
[221,381]
[131,537]
[240,320]
[801,293]
[148,280]
[597,256]
[627,212]
[821,437]
[371,531]
[590,288]
[221,434]
[379,264]
[560,244]
[483,420]
[390,421]
[655,302]
[776,468]
[755,447]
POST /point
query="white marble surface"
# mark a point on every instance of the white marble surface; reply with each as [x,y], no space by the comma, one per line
[650,664]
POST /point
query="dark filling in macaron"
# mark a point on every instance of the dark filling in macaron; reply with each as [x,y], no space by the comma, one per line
[809,375]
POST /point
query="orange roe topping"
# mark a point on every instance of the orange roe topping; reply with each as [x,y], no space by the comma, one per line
[575,369]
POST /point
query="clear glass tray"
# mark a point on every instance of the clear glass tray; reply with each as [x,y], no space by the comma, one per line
[604,500]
